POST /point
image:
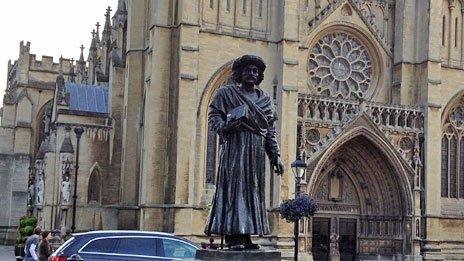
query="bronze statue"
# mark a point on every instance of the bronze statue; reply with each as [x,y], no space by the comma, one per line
[243,115]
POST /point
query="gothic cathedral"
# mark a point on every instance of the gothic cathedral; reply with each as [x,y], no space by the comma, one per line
[369,92]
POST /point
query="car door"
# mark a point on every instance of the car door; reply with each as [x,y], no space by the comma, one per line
[175,249]
[98,249]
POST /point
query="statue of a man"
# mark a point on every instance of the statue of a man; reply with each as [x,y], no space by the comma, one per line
[40,190]
[30,193]
[243,115]
[65,190]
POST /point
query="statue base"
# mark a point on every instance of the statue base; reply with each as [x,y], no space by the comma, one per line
[218,254]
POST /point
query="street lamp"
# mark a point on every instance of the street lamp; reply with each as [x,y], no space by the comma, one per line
[299,168]
[78,131]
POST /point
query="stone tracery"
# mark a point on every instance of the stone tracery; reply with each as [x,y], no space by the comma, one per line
[340,66]
[369,191]
[452,161]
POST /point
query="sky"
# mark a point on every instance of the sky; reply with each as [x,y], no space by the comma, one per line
[54,28]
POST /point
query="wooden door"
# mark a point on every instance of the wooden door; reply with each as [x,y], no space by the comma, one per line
[321,239]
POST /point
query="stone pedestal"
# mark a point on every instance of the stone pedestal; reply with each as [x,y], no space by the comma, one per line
[268,255]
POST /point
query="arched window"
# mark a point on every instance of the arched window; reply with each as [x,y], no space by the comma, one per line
[43,121]
[443,28]
[452,153]
[212,147]
[94,188]
[456,32]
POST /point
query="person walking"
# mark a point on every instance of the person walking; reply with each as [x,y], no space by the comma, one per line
[32,242]
[45,249]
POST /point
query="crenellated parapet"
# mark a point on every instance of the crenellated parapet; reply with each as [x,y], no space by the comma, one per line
[47,64]
[29,72]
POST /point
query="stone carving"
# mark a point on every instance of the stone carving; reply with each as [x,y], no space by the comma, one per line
[334,245]
[338,207]
[30,193]
[406,144]
[322,193]
[340,66]
[376,246]
[313,136]
[65,190]
[40,189]
[377,15]
[336,184]
[324,13]
[456,118]
[317,112]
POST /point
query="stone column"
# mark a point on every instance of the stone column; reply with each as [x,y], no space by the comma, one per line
[404,51]
[450,30]
[182,163]
[156,98]
[462,37]
[288,62]
[129,193]
[432,135]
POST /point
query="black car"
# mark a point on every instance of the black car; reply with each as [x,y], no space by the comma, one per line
[125,245]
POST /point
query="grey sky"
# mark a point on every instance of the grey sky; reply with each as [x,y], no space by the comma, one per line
[54,28]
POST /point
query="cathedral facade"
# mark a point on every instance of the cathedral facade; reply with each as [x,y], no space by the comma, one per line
[371,93]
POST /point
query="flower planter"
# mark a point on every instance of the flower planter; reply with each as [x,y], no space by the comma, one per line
[293,210]
[19,251]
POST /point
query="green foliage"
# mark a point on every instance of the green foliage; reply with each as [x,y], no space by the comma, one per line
[31,221]
[26,228]
[28,231]
[22,221]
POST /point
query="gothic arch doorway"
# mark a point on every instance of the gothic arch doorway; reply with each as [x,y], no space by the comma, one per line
[363,209]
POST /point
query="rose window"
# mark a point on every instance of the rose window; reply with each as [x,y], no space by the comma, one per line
[340,66]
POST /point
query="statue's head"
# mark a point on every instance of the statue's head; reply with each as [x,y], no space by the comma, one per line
[249,68]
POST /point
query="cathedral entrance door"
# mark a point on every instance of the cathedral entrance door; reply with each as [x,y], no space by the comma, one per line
[361,202]
[321,239]
[347,239]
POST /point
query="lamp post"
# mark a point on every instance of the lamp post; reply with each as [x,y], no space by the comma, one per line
[299,168]
[78,131]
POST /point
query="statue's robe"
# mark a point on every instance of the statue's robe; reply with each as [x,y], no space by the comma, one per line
[239,202]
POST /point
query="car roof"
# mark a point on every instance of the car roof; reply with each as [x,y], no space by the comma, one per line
[109,233]
[122,233]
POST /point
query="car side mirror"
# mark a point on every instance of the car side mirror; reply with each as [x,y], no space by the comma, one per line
[75,257]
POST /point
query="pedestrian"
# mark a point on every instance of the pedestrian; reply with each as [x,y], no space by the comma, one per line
[32,243]
[45,249]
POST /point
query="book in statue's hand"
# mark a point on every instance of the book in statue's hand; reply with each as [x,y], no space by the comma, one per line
[236,114]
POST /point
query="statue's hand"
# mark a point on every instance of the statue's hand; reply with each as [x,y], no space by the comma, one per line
[277,165]
[231,126]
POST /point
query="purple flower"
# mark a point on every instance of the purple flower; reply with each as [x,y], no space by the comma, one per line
[294,209]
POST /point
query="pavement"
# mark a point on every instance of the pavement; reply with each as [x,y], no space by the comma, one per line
[7,253]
